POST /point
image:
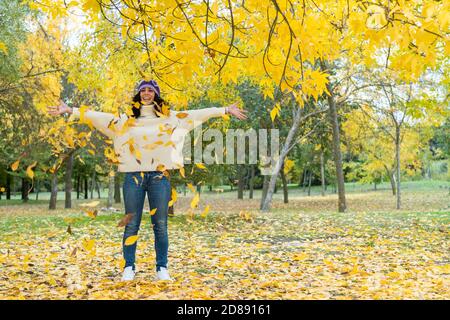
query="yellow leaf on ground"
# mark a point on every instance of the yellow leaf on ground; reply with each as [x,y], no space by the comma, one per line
[3,48]
[88,245]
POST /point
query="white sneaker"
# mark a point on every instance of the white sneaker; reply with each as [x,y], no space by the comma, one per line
[128,274]
[162,274]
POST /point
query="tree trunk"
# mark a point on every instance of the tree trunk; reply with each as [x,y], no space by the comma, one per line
[116,189]
[97,187]
[36,188]
[284,152]
[392,181]
[109,203]
[397,163]
[54,191]
[86,191]
[251,182]
[305,179]
[322,172]
[25,187]
[78,185]
[241,182]
[285,187]
[301,178]
[342,206]
[264,191]
[8,186]
[68,182]
[309,182]
[92,184]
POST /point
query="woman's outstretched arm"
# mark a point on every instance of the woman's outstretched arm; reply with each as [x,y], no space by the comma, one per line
[100,120]
[196,117]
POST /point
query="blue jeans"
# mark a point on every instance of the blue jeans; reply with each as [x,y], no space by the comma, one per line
[158,190]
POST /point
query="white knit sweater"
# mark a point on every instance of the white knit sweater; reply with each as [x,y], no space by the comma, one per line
[151,142]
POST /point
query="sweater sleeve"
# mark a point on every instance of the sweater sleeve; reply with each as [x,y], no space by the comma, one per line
[105,122]
[195,118]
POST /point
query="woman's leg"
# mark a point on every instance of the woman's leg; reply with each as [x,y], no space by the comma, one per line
[159,196]
[134,196]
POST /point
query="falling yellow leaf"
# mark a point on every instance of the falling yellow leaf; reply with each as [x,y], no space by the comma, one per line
[122,263]
[200,166]
[169,143]
[205,212]
[195,200]
[15,165]
[30,172]
[173,197]
[182,173]
[92,213]
[182,115]
[153,211]
[131,240]
[125,220]
[191,187]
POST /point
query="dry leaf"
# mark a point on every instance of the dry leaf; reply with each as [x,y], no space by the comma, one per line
[125,220]
[15,165]
[90,204]
[182,115]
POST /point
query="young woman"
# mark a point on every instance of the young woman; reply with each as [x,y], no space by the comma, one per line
[147,147]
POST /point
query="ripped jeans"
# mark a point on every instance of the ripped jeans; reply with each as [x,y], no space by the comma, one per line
[157,188]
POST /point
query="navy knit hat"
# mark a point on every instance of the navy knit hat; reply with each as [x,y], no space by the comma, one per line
[149,84]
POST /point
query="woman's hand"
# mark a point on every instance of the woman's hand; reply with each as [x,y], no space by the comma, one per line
[235,111]
[61,109]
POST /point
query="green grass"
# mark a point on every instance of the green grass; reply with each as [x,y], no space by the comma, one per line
[294,190]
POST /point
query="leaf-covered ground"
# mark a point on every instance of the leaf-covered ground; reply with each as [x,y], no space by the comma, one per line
[300,250]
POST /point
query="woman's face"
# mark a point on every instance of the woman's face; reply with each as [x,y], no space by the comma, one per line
[147,95]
